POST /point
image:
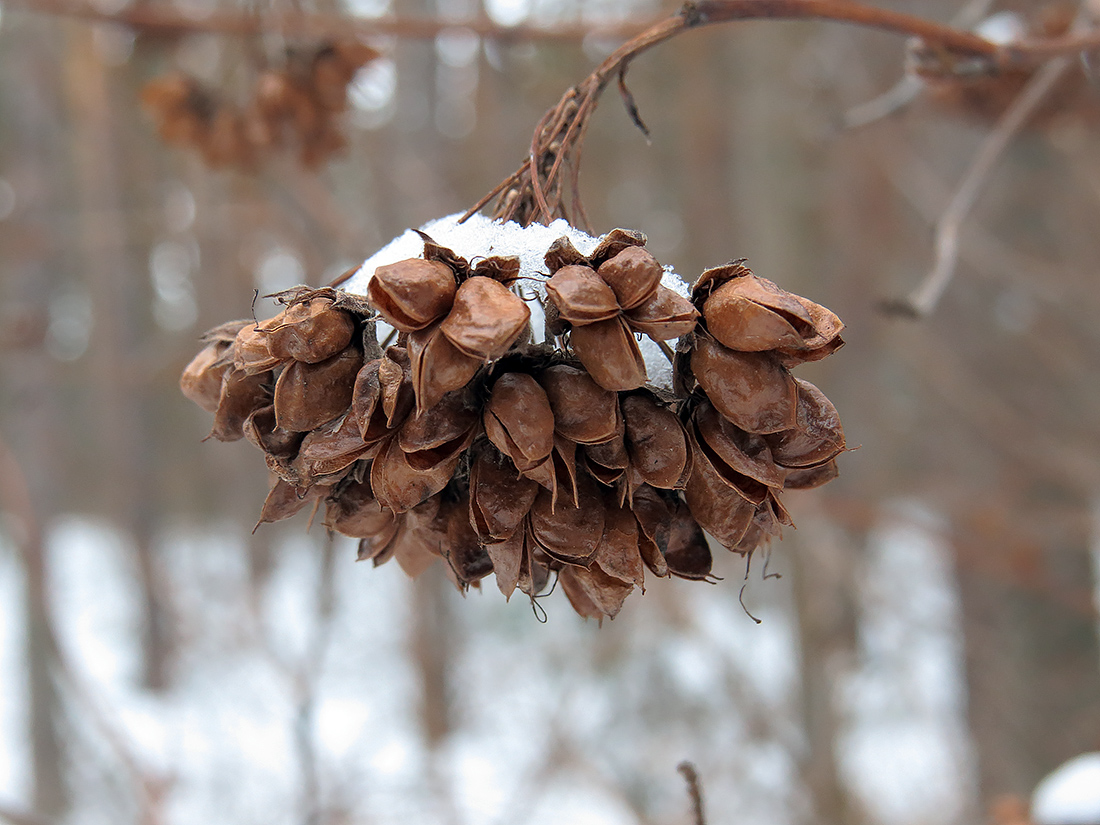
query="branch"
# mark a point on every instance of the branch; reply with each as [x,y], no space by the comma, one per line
[695,791]
[166,20]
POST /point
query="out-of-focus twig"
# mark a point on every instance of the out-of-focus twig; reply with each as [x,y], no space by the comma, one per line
[695,791]
[924,298]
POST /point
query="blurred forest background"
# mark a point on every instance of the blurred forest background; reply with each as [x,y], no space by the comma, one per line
[931,645]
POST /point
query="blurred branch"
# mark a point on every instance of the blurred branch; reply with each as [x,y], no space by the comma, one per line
[923,300]
[695,791]
[167,20]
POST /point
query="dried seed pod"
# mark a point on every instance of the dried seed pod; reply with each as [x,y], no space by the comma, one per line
[438,367]
[751,389]
[331,448]
[519,421]
[593,593]
[655,441]
[309,395]
[610,354]
[607,461]
[262,431]
[581,295]
[352,510]
[201,381]
[486,318]
[465,556]
[583,411]
[283,501]
[664,316]
[250,349]
[633,275]
[413,293]
[717,506]
[564,531]
[817,437]
[310,331]
[502,268]
[688,554]
[737,455]
[499,498]
[562,253]
[241,395]
[440,435]
[400,486]
[615,242]
[618,554]
[810,477]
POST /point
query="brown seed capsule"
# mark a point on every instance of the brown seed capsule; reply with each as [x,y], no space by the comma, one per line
[593,593]
[413,293]
[309,395]
[750,389]
[283,501]
[615,242]
[486,319]
[400,486]
[519,421]
[329,449]
[438,367]
[439,435]
[261,430]
[566,532]
[817,436]
[810,477]
[610,354]
[718,507]
[499,498]
[735,453]
[664,316]
[584,411]
[241,395]
[352,510]
[618,553]
[201,381]
[310,331]
[655,441]
[633,275]
[466,558]
[688,554]
[582,296]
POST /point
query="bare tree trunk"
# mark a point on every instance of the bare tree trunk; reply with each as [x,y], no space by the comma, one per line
[1031,648]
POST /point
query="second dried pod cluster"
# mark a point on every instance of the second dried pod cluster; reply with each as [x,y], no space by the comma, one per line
[519,417]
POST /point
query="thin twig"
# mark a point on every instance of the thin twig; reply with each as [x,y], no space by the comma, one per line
[923,300]
[695,791]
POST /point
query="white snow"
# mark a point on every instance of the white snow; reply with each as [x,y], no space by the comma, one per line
[1071,794]
[480,237]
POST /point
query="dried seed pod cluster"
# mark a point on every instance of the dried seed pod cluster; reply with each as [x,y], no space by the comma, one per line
[296,107]
[470,440]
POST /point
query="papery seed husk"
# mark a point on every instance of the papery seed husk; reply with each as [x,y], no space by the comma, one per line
[653,517]
[521,407]
[817,437]
[309,395]
[395,376]
[610,354]
[401,487]
[618,553]
[241,395]
[747,487]
[688,555]
[502,268]
[449,420]
[282,502]
[633,275]
[507,556]
[593,593]
[584,411]
[568,533]
[438,367]
[311,331]
[615,242]
[792,358]
[261,430]
[534,574]
[354,511]
[810,477]
[565,468]
[366,406]
[656,441]
[745,453]
[467,559]
[499,498]
[250,350]
[743,324]
[413,293]
[486,318]
[201,381]
[562,253]
[749,388]
[581,296]
[664,316]
[414,550]
[716,506]
[330,448]
[610,454]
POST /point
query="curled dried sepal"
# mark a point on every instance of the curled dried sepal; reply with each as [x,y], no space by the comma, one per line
[751,389]
[399,485]
[439,435]
[331,448]
[486,319]
[283,501]
[810,477]
[262,431]
[413,293]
